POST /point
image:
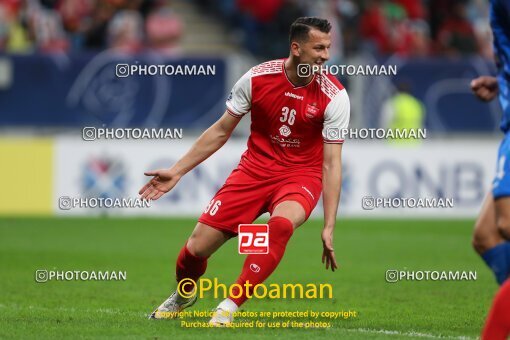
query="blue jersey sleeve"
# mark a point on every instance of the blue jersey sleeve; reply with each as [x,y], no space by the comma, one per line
[500,23]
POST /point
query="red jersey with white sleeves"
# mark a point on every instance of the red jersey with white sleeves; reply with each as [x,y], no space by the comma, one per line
[289,124]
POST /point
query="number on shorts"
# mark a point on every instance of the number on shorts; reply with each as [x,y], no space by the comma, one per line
[212,207]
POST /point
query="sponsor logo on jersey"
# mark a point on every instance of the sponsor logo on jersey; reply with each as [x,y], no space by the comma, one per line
[312,110]
[286,142]
[285,131]
[292,95]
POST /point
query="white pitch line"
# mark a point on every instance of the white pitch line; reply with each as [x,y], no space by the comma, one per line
[354,330]
[411,333]
[74,310]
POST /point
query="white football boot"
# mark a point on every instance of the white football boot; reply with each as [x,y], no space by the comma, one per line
[171,307]
[223,314]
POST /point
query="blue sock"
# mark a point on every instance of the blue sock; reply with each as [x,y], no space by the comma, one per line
[498,260]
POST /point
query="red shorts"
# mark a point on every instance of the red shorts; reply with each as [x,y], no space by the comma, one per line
[243,198]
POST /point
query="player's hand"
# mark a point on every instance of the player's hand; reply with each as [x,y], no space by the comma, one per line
[328,254]
[162,182]
[485,87]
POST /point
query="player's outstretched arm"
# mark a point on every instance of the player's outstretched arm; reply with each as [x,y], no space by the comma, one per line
[331,186]
[485,87]
[209,142]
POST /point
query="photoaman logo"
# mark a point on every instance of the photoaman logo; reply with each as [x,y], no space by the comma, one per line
[188,288]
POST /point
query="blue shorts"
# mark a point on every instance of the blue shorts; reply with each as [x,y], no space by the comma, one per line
[501,183]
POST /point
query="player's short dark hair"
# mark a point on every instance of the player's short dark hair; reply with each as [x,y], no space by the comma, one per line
[301,27]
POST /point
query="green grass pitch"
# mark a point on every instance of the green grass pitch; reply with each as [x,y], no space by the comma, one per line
[147,250]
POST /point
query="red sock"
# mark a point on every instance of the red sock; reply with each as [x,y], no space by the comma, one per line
[189,266]
[280,231]
[497,326]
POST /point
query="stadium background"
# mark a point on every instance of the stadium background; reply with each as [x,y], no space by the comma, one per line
[57,75]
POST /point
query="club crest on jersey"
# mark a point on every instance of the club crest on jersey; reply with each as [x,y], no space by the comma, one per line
[285,131]
[312,110]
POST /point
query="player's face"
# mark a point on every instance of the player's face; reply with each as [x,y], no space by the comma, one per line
[316,49]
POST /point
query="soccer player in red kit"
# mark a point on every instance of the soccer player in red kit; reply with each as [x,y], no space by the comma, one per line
[294,154]
[497,326]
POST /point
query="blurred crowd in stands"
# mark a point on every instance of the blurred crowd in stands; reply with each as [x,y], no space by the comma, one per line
[51,26]
[408,28]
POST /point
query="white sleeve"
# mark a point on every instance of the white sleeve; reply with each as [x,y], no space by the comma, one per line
[336,118]
[239,100]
